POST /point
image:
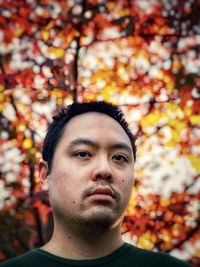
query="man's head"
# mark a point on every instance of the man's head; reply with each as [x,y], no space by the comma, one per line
[88,165]
[56,128]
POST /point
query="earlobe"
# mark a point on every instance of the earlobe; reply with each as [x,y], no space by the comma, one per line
[43,173]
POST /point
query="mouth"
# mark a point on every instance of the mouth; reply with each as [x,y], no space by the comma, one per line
[102,193]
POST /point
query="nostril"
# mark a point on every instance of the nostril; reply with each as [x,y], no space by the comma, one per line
[102,170]
[106,176]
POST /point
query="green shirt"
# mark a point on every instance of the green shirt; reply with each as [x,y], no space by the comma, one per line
[125,256]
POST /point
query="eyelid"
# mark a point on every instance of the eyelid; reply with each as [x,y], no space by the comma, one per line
[124,156]
[88,154]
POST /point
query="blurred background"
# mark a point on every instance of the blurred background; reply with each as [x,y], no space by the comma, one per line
[142,55]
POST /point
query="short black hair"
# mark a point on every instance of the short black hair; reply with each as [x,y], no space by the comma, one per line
[57,126]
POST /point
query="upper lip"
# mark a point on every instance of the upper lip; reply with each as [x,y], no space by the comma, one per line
[102,190]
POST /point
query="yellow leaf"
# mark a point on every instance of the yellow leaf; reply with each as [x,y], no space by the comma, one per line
[50,25]
[132,203]
[18,31]
[1,107]
[180,126]
[195,162]
[2,97]
[1,87]
[187,111]
[57,52]
[197,252]
[45,35]
[110,5]
[144,241]
[164,202]
[150,120]
[170,144]
[172,107]
[21,127]
[69,38]
[172,123]
[175,135]
[195,119]
[176,63]
[106,92]
[27,143]
[175,230]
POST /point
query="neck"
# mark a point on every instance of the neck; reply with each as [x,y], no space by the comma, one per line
[83,243]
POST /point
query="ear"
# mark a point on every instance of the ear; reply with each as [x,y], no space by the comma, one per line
[43,173]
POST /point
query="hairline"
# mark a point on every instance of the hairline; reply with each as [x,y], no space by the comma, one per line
[64,121]
[61,133]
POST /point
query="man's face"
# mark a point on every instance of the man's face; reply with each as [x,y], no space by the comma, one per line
[92,172]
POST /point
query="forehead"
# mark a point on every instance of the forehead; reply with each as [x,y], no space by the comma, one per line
[94,125]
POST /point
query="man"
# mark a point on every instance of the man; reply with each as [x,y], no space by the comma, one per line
[87,168]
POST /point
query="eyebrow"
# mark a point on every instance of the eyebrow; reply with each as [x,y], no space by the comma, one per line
[83,141]
[88,142]
[124,146]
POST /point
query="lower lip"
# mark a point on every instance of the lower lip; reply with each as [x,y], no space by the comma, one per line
[101,197]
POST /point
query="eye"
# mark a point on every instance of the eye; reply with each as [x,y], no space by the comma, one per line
[120,158]
[82,154]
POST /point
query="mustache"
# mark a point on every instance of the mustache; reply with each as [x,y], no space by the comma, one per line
[92,188]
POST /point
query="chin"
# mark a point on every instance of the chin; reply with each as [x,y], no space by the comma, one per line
[98,220]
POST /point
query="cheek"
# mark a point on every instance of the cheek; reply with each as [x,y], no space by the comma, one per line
[60,181]
[127,177]
[63,190]
[127,185]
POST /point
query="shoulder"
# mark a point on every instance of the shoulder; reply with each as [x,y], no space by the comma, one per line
[153,258]
[27,259]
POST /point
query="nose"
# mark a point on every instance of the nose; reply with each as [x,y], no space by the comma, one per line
[102,170]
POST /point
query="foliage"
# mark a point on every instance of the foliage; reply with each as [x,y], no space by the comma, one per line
[141,55]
